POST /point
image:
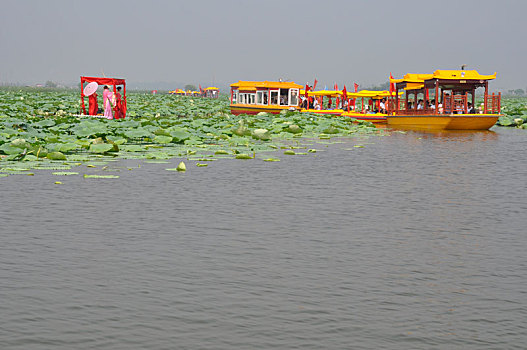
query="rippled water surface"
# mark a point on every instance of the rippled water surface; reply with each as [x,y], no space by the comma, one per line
[416,241]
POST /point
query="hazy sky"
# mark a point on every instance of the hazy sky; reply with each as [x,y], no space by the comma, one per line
[198,41]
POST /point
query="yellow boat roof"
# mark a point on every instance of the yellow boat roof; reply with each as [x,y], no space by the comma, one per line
[321,92]
[212,88]
[266,84]
[461,75]
[442,74]
[363,93]
[413,78]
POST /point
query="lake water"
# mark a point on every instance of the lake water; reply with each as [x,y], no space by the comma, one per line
[415,241]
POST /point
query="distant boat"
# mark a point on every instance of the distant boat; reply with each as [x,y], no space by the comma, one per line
[253,97]
[211,92]
[452,106]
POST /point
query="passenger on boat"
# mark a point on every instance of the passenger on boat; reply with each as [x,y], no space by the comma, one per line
[410,105]
[420,104]
[470,109]
[382,106]
[304,103]
[316,105]
[432,104]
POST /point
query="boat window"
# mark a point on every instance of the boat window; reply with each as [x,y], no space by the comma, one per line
[274,97]
[293,97]
[250,99]
[234,96]
[261,97]
[284,97]
[242,98]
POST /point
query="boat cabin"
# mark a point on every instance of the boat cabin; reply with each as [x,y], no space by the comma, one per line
[444,92]
[211,92]
[177,92]
[252,97]
[322,101]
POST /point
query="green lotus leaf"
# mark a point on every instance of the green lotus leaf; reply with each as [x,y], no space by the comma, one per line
[116,139]
[44,123]
[101,148]
[505,121]
[20,143]
[132,148]
[85,129]
[271,160]
[290,152]
[63,147]
[8,149]
[161,132]
[179,134]
[56,156]
[64,173]
[243,156]
[137,133]
[162,139]
[294,129]
[261,134]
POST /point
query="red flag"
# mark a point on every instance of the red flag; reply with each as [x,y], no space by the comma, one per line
[345,92]
[356,86]
[335,87]
[315,84]
[392,85]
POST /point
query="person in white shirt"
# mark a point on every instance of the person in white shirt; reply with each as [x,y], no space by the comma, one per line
[420,104]
[382,106]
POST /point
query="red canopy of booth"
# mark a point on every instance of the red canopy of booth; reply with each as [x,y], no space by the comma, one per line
[103,81]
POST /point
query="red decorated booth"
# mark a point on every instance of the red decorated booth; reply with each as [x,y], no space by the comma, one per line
[103,81]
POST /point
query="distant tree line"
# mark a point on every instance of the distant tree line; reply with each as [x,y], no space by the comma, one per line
[516,92]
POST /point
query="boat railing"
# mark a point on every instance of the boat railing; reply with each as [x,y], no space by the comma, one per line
[492,103]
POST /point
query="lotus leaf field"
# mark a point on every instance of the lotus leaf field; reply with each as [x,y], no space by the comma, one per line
[39,129]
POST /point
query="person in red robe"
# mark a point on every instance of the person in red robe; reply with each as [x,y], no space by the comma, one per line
[118,109]
[93,105]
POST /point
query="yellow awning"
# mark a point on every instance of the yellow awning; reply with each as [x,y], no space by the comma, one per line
[412,78]
[322,93]
[414,86]
[371,94]
[267,84]
[461,75]
[212,88]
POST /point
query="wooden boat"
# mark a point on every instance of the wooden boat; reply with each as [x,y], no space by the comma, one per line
[369,110]
[449,109]
[177,92]
[211,92]
[253,97]
[318,96]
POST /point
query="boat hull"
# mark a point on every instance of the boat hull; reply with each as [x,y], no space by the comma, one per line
[252,109]
[443,122]
[323,111]
[369,117]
